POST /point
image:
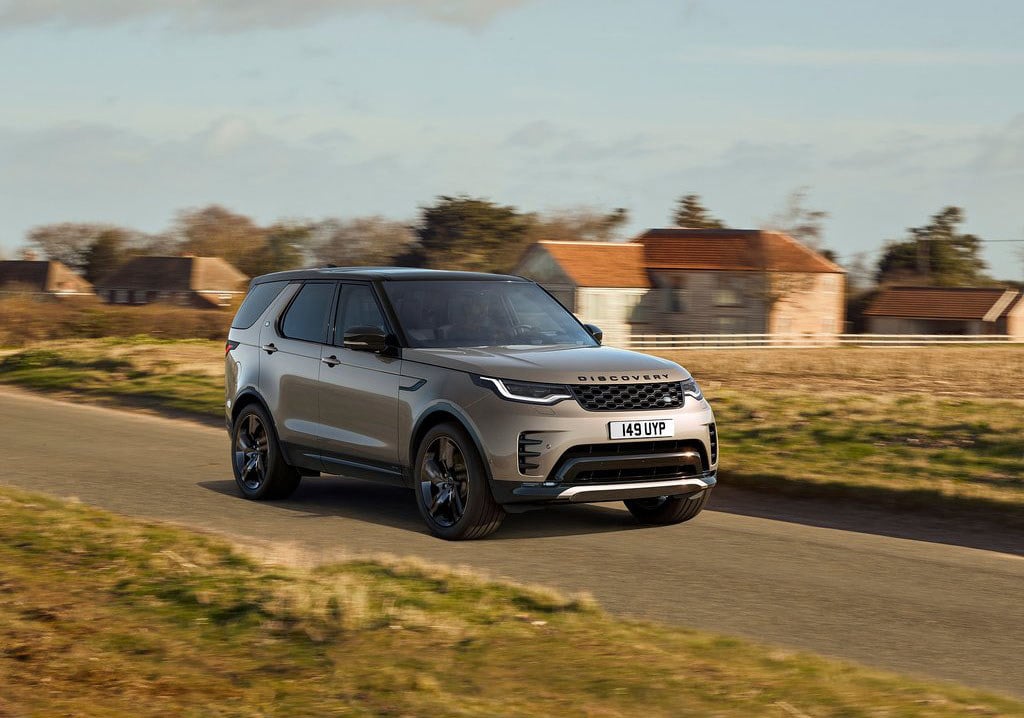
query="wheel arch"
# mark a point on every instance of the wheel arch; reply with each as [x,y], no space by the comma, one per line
[441,414]
[244,399]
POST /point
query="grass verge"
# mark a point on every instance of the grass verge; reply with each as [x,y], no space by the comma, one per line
[907,451]
[103,615]
[180,375]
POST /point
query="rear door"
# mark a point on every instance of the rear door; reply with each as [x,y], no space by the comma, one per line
[359,394]
[290,351]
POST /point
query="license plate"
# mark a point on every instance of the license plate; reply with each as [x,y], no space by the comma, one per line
[642,429]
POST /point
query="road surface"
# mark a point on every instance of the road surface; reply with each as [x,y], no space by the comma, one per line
[889,590]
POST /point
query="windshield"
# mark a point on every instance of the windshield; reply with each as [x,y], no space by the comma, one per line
[478,314]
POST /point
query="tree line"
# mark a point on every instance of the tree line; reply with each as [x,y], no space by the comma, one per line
[470,233]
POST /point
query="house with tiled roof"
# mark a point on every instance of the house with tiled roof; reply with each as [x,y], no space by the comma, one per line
[203,282]
[947,310]
[693,281]
[41,277]
[601,282]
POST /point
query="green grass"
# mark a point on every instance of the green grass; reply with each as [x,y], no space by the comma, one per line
[137,374]
[103,616]
[911,451]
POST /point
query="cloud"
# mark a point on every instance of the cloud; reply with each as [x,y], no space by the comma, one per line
[1003,150]
[103,173]
[537,134]
[779,55]
[237,15]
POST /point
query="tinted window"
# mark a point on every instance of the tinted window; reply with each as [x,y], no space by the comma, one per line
[256,302]
[307,316]
[488,313]
[358,309]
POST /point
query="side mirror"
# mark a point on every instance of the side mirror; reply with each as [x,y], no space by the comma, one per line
[595,331]
[366,339]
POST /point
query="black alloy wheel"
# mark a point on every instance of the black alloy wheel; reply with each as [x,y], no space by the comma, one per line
[453,490]
[260,469]
[251,449]
[444,482]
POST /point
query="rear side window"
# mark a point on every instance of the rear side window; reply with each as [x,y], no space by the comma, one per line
[256,302]
[308,314]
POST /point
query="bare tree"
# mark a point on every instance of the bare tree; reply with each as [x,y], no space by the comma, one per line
[67,242]
[581,224]
[802,224]
[362,241]
[859,274]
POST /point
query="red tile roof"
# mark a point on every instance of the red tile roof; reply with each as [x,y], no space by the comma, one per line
[987,303]
[601,264]
[750,250]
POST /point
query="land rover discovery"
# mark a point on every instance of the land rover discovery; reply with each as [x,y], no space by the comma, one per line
[480,392]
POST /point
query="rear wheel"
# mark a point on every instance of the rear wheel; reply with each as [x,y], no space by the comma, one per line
[452,490]
[666,509]
[260,470]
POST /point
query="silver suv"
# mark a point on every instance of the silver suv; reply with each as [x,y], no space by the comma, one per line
[478,391]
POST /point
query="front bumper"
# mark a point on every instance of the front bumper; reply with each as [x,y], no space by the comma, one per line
[563,453]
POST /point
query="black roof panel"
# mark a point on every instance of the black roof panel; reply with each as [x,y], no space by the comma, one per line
[383,273]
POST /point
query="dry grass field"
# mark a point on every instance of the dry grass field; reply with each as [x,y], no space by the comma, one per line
[964,371]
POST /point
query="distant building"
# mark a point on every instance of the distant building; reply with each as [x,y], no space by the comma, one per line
[193,281]
[601,282]
[693,281]
[946,310]
[41,277]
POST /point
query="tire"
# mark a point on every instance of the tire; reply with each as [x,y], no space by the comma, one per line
[261,472]
[449,475]
[665,510]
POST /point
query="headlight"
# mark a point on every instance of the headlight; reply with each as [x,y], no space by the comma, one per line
[527,391]
[690,388]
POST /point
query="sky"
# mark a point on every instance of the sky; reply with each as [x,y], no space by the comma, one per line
[127,111]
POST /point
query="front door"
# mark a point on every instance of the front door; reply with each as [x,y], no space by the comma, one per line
[359,394]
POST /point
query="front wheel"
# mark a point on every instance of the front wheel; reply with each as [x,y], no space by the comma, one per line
[667,509]
[452,490]
[260,470]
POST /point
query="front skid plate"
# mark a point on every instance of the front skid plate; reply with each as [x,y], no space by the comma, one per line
[615,492]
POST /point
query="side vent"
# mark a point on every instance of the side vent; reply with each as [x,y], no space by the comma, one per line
[713,437]
[527,444]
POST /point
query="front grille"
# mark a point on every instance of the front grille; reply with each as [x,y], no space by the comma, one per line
[638,473]
[619,397]
[602,470]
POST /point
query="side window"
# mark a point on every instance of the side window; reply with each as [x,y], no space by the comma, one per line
[309,311]
[256,302]
[358,308]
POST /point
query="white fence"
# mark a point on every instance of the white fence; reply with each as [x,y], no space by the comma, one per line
[806,341]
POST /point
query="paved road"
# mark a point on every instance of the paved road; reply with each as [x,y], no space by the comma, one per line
[778,571]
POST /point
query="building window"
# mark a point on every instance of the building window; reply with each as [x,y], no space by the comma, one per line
[728,291]
[729,325]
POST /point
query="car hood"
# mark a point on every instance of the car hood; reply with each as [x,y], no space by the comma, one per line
[553,364]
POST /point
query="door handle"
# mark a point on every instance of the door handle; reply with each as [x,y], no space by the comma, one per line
[269,348]
[331,360]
